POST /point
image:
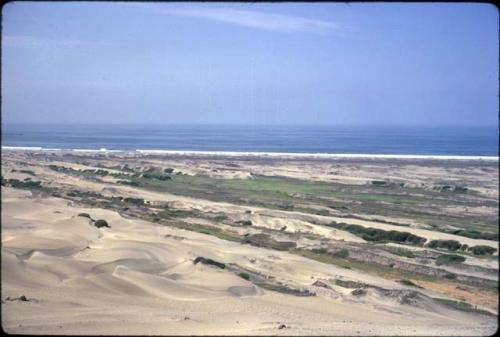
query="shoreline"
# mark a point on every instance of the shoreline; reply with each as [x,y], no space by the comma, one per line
[259,154]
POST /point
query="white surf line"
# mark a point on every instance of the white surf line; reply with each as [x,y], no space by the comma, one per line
[265,154]
[319,155]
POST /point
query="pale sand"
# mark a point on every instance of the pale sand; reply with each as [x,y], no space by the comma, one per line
[136,280]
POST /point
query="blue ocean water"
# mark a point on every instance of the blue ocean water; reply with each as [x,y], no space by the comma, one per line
[412,140]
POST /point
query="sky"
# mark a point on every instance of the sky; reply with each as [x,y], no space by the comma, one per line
[248,63]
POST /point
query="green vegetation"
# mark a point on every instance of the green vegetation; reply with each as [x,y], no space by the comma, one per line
[209,262]
[451,188]
[101,223]
[408,283]
[379,182]
[245,222]
[342,254]
[135,201]
[264,240]
[475,234]
[27,184]
[452,245]
[450,276]
[482,250]
[358,292]
[402,252]
[449,259]
[28,172]
[209,230]
[285,289]
[128,182]
[460,305]
[244,275]
[375,234]
[175,213]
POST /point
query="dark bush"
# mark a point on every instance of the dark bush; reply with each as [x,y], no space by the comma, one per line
[475,234]
[482,250]
[168,170]
[403,252]
[452,245]
[101,223]
[343,253]
[450,276]
[408,283]
[128,182]
[449,259]
[136,201]
[264,240]
[24,184]
[375,234]
[85,215]
[209,262]
[244,275]
[28,172]
[358,292]
[319,250]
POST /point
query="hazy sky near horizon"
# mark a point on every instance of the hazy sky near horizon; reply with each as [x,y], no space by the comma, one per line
[243,63]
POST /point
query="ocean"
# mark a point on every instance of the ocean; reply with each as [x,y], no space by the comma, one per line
[386,140]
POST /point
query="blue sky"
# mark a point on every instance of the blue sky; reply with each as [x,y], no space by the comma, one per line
[243,63]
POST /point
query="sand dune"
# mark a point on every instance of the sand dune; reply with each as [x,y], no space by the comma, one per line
[139,277]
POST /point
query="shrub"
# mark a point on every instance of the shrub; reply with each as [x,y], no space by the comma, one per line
[449,259]
[136,201]
[450,276]
[24,184]
[403,252]
[245,222]
[264,240]
[408,283]
[482,250]
[379,182]
[101,223]
[85,215]
[28,172]
[128,182]
[244,275]
[343,253]
[209,262]
[168,170]
[375,234]
[319,250]
[475,234]
[452,245]
[358,292]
